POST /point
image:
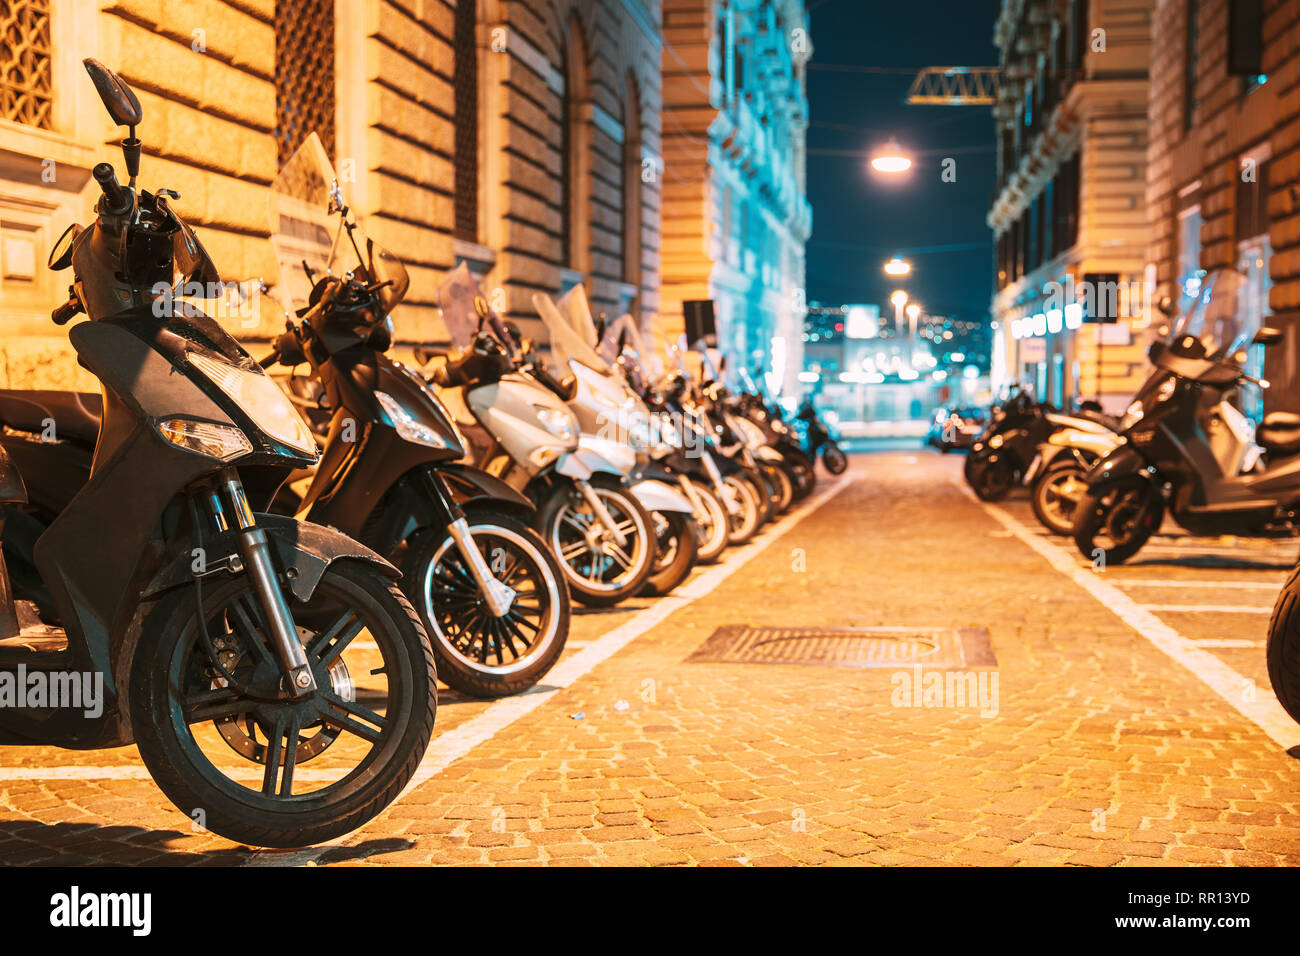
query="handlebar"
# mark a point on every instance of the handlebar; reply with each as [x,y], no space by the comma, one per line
[116,199]
[64,313]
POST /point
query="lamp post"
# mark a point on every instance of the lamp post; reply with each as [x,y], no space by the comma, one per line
[913,312]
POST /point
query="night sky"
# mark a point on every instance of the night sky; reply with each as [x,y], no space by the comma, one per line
[866,54]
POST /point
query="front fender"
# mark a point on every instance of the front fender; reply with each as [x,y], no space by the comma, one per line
[1124,462]
[605,455]
[303,548]
[475,488]
[656,496]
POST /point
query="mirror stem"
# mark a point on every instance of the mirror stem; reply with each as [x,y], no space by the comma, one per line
[131,153]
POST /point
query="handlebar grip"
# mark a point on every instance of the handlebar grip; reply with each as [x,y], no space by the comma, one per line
[118,200]
[64,313]
[269,360]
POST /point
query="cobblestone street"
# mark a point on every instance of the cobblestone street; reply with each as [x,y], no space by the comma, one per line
[1131,721]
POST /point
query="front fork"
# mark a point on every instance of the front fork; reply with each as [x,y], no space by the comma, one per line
[255,549]
[498,596]
[601,512]
[726,494]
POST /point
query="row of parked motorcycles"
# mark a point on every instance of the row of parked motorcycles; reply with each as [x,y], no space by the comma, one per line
[1183,449]
[267,564]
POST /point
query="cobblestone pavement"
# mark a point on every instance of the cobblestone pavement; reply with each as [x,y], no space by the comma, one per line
[1103,750]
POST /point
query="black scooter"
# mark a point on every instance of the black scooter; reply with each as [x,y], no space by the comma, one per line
[1002,455]
[173,614]
[818,438]
[1181,451]
[487,588]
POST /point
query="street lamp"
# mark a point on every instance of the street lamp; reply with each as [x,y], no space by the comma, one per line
[897,267]
[891,159]
[898,300]
[913,311]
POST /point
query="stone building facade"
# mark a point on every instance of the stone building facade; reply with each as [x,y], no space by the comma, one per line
[1224,165]
[736,218]
[1070,200]
[520,135]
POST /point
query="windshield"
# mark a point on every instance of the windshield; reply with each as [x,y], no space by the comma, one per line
[1216,321]
[306,211]
[564,338]
[466,312]
[622,345]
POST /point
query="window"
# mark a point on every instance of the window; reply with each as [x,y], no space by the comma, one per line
[1079,31]
[1191,55]
[575,154]
[304,75]
[1245,38]
[465,91]
[25,68]
[632,185]
[1252,199]
[1189,241]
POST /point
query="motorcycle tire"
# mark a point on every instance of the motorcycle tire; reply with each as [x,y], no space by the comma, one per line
[835,460]
[173,692]
[1112,527]
[745,523]
[1283,648]
[678,543]
[477,653]
[782,487]
[990,479]
[715,532]
[592,580]
[1056,494]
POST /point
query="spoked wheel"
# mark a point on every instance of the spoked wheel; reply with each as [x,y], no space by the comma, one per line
[1056,494]
[714,528]
[678,544]
[743,511]
[1114,526]
[600,572]
[835,460]
[478,652]
[226,743]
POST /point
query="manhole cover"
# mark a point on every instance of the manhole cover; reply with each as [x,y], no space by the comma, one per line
[934,648]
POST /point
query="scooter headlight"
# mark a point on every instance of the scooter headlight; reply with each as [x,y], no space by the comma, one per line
[260,399]
[997,441]
[558,421]
[407,425]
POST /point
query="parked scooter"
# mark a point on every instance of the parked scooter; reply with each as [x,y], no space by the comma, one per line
[1187,449]
[490,593]
[603,536]
[1063,462]
[690,460]
[818,438]
[213,632]
[607,410]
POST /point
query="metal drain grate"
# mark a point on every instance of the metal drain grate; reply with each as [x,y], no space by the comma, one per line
[869,647]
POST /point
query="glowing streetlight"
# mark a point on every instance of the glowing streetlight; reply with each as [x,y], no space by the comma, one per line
[913,312]
[891,159]
[898,299]
[897,267]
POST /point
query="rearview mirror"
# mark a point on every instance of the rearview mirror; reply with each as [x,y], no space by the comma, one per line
[119,99]
[1268,336]
[61,254]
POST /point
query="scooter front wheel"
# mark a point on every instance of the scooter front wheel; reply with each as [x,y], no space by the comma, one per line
[1112,527]
[678,545]
[599,570]
[479,653]
[226,743]
[748,513]
[715,530]
[835,460]
[1056,494]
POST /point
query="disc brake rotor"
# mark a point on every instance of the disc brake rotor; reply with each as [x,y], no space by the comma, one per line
[241,732]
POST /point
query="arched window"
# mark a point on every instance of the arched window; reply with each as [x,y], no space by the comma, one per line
[575,153]
[465,92]
[632,188]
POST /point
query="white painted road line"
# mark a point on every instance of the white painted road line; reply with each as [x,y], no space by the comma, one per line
[1207,608]
[1228,643]
[1259,706]
[1273,586]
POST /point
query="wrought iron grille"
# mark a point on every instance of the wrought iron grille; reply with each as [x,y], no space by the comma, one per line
[466,117]
[25,86]
[304,74]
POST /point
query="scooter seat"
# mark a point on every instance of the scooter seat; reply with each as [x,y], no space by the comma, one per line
[1279,433]
[75,414]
